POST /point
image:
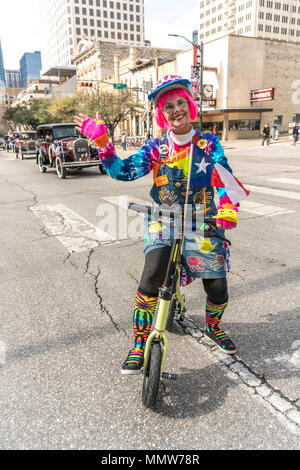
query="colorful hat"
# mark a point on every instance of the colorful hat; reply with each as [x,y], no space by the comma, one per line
[167,83]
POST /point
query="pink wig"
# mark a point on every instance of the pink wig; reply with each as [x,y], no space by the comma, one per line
[160,118]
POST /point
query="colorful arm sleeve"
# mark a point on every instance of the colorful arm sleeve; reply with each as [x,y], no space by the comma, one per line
[136,166]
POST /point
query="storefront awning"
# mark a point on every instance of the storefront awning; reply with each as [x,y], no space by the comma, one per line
[237,110]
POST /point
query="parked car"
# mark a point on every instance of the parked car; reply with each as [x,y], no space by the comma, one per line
[62,147]
[2,143]
[25,143]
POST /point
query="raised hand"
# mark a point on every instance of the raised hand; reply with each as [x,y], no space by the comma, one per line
[79,121]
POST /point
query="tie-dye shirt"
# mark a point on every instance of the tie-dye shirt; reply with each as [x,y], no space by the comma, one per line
[154,153]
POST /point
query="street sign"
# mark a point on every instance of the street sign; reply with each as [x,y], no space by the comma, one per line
[209,103]
[119,86]
[209,69]
[136,89]
[265,94]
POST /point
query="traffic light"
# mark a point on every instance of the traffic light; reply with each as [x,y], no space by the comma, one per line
[86,84]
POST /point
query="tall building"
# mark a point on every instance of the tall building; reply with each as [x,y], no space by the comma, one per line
[13,78]
[2,71]
[64,22]
[30,66]
[256,18]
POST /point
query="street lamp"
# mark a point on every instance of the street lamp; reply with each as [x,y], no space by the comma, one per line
[197,70]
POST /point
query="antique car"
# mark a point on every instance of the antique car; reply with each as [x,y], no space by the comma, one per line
[25,143]
[62,147]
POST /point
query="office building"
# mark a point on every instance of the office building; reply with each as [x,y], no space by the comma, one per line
[30,67]
[251,81]
[65,22]
[267,19]
[2,71]
[13,78]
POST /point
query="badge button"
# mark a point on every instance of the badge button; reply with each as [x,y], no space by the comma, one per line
[178,185]
[163,150]
[202,144]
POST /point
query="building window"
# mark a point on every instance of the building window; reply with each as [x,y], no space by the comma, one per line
[278,120]
[244,125]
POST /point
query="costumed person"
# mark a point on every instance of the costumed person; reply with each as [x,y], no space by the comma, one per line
[181,153]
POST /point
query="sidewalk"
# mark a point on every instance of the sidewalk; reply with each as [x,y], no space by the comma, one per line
[229,144]
[241,143]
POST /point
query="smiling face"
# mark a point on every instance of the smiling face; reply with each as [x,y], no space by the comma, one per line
[177,113]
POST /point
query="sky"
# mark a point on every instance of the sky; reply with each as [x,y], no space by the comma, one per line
[20,29]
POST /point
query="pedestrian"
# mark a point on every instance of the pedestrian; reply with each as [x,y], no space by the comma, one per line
[180,155]
[215,129]
[124,141]
[273,131]
[296,133]
[6,138]
[265,134]
[276,134]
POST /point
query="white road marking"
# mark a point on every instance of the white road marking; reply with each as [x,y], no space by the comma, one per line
[245,205]
[2,352]
[262,209]
[286,181]
[72,230]
[274,192]
[124,200]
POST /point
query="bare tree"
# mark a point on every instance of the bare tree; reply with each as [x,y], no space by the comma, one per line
[114,107]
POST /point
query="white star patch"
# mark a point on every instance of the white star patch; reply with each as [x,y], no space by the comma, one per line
[202,166]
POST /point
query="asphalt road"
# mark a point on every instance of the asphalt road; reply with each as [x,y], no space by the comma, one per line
[66,309]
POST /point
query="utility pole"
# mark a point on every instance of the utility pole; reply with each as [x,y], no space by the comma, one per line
[197,72]
[198,76]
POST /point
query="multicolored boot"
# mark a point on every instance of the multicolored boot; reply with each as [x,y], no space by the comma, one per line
[213,331]
[144,309]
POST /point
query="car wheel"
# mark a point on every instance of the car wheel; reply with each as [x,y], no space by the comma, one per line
[40,163]
[60,170]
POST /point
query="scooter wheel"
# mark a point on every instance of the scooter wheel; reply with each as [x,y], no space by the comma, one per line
[152,376]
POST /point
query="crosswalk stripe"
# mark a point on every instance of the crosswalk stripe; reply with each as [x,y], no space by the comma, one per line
[274,192]
[262,209]
[286,180]
[245,205]
[72,230]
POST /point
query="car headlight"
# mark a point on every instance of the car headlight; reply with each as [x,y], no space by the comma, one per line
[70,146]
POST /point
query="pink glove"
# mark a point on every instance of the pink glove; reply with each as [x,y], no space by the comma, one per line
[96,131]
[227,213]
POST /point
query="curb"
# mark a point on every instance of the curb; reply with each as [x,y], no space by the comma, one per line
[280,404]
